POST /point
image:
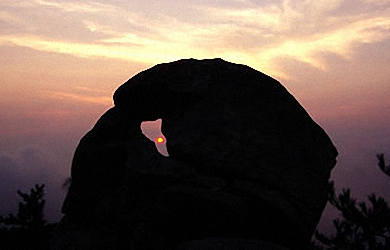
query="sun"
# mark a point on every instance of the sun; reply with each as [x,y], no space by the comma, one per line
[160,139]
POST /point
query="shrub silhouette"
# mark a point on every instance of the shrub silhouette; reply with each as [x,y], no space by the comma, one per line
[362,226]
[27,229]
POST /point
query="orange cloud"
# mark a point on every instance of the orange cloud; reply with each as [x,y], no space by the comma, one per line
[104,100]
[76,6]
[254,34]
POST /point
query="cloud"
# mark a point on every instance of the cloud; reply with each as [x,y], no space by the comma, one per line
[22,171]
[9,18]
[298,29]
[340,42]
[89,7]
[90,90]
[241,31]
[154,52]
[100,99]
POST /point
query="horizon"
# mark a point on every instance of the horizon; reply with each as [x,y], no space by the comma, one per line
[62,60]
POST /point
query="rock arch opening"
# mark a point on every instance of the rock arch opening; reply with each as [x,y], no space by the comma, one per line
[152,130]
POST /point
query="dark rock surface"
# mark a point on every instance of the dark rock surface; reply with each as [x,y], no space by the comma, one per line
[246,162]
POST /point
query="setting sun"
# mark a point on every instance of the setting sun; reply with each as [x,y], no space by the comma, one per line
[160,139]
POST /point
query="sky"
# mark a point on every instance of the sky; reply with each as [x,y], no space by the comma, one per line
[61,61]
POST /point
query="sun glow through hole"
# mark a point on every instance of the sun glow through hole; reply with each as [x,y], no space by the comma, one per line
[152,130]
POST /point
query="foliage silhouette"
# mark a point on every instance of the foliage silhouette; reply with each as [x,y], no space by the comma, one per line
[27,229]
[362,226]
[382,165]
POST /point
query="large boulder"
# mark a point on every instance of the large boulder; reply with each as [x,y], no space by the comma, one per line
[245,160]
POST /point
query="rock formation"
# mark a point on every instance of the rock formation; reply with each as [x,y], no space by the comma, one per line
[247,167]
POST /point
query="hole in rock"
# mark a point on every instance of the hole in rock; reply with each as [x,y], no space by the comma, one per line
[152,130]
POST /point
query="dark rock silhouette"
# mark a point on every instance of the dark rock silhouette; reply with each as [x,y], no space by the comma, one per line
[248,167]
